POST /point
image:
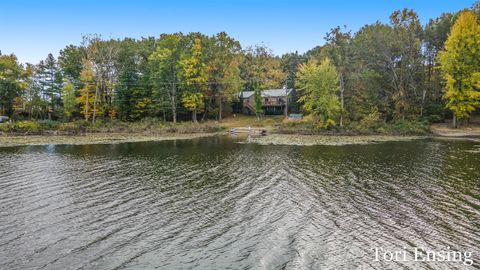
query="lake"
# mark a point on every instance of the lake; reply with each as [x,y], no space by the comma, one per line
[215,203]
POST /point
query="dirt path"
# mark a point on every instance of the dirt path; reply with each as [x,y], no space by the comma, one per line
[445,130]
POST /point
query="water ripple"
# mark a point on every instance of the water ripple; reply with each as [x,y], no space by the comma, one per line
[214,204]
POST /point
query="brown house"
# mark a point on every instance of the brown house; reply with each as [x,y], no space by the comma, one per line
[273,101]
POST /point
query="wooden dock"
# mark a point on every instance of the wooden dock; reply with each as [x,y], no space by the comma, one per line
[248,131]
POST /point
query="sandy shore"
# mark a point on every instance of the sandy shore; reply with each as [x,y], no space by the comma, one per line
[93,138]
[445,130]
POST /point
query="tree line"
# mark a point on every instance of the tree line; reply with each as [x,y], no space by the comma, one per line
[392,71]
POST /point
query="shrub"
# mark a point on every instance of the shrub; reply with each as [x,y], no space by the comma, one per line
[21,126]
[404,127]
[371,120]
[74,127]
[435,118]
[6,127]
[48,124]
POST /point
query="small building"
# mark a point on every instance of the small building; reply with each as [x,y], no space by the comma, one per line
[273,101]
[3,119]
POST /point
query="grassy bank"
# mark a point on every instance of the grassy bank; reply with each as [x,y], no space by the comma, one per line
[281,132]
[352,129]
[146,126]
[278,124]
[273,124]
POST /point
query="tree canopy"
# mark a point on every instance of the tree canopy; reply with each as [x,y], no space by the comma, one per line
[460,65]
[394,71]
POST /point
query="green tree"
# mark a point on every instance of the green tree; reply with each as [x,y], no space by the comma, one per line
[435,34]
[70,61]
[406,68]
[289,63]
[370,79]
[132,97]
[51,81]
[223,70]
[36,101]
[318,85]
[11,73]
[69,99]
[257,99]
[260,67]
[460,66]
[338,49]
[102,54]
[165,70]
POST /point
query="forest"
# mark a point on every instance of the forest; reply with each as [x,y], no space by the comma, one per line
[383,73]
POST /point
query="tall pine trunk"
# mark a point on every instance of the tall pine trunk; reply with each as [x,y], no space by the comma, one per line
[220,110]
[341,99]
[86,106]
[174,103]
[95,105]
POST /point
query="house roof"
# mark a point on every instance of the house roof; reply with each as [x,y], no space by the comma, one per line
[266,93]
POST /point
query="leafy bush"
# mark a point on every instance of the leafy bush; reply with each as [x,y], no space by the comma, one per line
[330,123]
[49,125]
[21,126]
[28,126]
[368,124]
[435,118]
[371,120]
[6,127]
[404,127]
[74,127]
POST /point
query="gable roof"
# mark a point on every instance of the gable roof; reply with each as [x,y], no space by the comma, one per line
[266,93]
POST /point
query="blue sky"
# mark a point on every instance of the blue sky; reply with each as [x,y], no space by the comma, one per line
[32,29]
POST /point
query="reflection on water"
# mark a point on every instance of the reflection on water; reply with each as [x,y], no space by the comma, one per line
[212,203]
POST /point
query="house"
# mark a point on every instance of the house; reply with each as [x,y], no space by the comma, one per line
[273,101]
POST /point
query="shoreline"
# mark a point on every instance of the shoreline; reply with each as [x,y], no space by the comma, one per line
[274,135]
[7,140]
[12,140]
[445,131]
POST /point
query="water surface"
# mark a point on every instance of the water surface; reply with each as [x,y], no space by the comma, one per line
[212,203]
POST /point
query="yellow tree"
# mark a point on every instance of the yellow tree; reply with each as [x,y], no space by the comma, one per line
[193,73]
[87,92]
[193,102]
[460,66]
